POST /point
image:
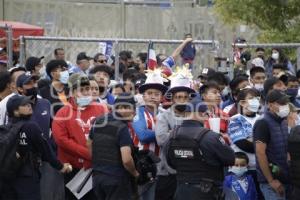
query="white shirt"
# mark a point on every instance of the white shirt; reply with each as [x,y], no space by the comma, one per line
[3,113]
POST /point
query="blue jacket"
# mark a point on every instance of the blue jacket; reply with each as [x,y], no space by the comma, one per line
[231,182]
[139,124]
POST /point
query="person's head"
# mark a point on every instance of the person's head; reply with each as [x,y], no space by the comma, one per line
[274,83]
[15,72]
[59,54]
[257,77]
[219,78]
[5,83]
[102,75]
[279,69]
[83,61]
[124,106]
[152,97]
[240,165]
[260,53]
[94,89]
[3,65]
[130,77]
[19,106]
[292,87]
[276,54]
[100,59]
[27,85]
[141,61]
[205,73]
[188,35]
[238,83]
[196,110]
[34,65]
[278,103]
[125,58]
[117,89]
[81,89]
[249,101]
[257,62]
[57,70]
[211,93]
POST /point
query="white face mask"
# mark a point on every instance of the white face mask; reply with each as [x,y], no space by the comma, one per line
[283,111]
[259,87]
[275,56]
[238,171]
[253,105]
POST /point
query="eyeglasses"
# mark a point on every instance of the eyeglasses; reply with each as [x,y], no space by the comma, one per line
[102,61]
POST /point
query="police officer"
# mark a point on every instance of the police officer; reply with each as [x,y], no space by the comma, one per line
[199,156]
[111,147]
[33,148]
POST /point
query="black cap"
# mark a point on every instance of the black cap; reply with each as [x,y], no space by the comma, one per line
[278,97]
[125,99]
[206,72]
[102,68]
[196,105]
[240,40]
[31,62]
[83,56]
[14,102]
[54,64]
[25,78]
[16,69]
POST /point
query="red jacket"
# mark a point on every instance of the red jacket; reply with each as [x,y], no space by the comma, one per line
[70,129]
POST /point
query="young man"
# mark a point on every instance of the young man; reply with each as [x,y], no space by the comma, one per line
[102,75]
[34,65]
[33,148]
[257,78]
[212,98]
[100,59]
[71,126]
[270,135]
[57,92]
[180,94]
[145,120]
[292,90]
[111,149]
[83,64]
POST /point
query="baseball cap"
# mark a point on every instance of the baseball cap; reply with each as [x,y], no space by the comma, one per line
[196,105]
[25,78]
[14,102]
[278,97]
[31,62]
[206,72]
[76,80]
[258,62]
[272,81]
[83,56]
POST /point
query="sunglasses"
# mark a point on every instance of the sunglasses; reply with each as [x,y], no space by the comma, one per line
[102,61]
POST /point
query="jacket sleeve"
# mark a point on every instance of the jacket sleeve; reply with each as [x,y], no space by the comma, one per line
[162,131]
[63,140]
[144,134]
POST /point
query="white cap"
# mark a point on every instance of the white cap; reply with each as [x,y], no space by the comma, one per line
[258,62]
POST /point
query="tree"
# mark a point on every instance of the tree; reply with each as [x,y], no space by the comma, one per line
[278,20]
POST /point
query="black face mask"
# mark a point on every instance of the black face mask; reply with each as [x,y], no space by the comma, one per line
[101,89]
[25,117]
[32,92]
[180,107]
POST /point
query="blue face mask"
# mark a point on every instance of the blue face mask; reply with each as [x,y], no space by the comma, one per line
[238,171]
[64,76]
[292,92]
[84,101]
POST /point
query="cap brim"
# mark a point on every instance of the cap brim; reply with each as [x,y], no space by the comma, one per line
[157,86]
[32,77]
[283,100]
[26,100]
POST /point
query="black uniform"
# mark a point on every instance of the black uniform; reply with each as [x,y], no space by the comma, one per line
[199,156]
[294,150]
[35,148]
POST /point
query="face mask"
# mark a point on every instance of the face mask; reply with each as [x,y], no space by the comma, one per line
[292,92]
[253,105]
[180,107]
[25,117]
[283,111]
[84,101]
[238,171]
[275,56]
[225,91]
[32,92]
[64,76]
[259,87]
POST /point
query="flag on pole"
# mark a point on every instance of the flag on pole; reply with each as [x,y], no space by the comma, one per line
[151,60]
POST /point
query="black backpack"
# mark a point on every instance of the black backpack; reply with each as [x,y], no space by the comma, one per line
[10,160]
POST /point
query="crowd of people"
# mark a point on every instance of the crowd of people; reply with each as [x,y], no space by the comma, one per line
[160,133]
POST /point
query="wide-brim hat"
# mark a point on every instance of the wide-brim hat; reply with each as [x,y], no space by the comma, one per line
[156,86]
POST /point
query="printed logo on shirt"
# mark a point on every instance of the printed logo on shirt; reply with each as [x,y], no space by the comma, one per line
[23,138]
[44,112]
[184,153]
[85,126]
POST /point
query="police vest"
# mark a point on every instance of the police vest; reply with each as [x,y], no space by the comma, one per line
[105,146]
[294,150]
[185,155]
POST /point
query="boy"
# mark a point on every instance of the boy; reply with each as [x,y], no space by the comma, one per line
[239,181]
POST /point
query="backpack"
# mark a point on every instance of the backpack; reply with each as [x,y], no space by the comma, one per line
[10,161]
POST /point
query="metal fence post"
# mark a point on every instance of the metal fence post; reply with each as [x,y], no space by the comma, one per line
[22,51]
[9,46]
[117,61]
